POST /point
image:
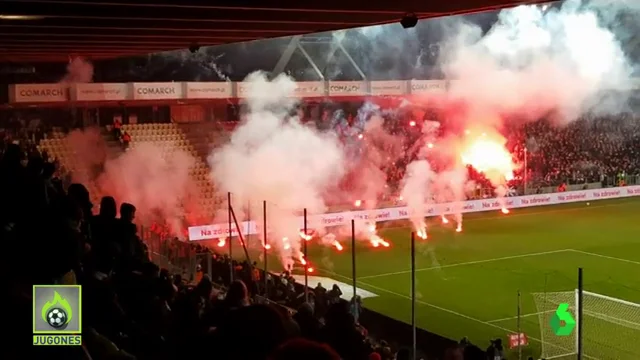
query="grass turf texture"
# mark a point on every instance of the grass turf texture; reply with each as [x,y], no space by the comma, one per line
[467,283]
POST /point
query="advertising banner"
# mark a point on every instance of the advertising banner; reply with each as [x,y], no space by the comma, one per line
[347,88]
[208,90]
[388,88]
[157,91]
[99,92]
[428,86]
[35,93]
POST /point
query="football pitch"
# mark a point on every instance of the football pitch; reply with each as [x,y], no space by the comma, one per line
[468,283]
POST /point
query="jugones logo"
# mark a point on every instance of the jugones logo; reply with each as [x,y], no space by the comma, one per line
[57,314]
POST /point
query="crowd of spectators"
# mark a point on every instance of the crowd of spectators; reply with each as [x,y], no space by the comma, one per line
[132,308]
[135,309]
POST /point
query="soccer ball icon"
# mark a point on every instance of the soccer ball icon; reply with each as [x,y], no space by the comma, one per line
[56,317]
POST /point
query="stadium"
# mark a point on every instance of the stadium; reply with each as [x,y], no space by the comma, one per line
[449,187]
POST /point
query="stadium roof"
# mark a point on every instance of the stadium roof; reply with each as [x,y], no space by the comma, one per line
[54,30]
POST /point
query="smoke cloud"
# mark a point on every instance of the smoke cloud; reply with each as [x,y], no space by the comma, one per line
[79,70]
[153,178]
[273,157]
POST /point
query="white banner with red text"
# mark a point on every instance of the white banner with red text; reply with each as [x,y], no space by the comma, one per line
[215,231]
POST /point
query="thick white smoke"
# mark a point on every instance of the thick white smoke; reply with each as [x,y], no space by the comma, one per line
[537,60]
[533,62]
[273,157]
[417,191]
[79,70]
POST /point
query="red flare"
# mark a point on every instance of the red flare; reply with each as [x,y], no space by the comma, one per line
[505,210]
[357,203]
[337,245]
[412,123]
[310,270]
[221,243]
[444,220]
[267,246]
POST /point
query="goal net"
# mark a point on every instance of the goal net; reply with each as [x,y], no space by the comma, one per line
[610,326]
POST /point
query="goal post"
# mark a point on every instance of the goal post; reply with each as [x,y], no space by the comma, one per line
[610,326]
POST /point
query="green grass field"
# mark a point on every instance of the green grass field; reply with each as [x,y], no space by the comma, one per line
[468,282]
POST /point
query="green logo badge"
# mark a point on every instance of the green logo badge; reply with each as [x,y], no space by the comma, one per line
[562,321]
[57,309]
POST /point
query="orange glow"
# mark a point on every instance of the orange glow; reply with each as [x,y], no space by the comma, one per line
[430,145]
[310,269]
[267,246]
[445,220]
[488,155]
[360,136]
[305,237]
[505,210]
[412,123]
[357,203]
[222,242]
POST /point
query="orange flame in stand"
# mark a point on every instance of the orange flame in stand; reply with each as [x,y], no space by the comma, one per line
[488,155]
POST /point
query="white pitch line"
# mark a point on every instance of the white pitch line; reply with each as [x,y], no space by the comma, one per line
[467,263]
[521,316]
[605,256]
[449,311]
[452,312]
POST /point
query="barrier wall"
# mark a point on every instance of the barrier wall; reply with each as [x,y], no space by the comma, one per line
[215,231]
[52,93]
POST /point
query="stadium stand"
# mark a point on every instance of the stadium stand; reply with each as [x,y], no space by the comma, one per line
[172,308]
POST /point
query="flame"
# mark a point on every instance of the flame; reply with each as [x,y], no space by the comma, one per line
[375,239]
[412,123]
[505,210]
[445,220]
[488,155]
[305,237]
[310,269]
[337,245]
[222,242]
[58,301]
[286,245]
[357,203]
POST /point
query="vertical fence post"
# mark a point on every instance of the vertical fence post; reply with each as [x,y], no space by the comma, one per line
[353,267]
[579,313]
[265,246]
[229,239]
[413,295]
[306,260]
[519,312]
